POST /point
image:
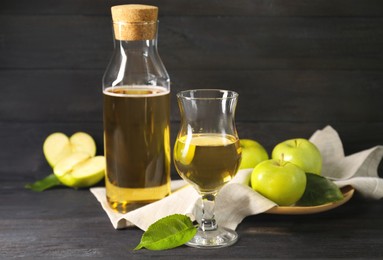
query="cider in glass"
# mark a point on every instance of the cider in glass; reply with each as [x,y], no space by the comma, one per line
[207,161]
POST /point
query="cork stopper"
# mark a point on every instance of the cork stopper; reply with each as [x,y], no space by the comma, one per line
[134,22]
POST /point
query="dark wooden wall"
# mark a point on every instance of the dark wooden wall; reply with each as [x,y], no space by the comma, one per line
[298,65]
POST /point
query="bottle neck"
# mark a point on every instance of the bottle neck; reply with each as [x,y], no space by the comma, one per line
[135,60]
[133,37]
[134,46]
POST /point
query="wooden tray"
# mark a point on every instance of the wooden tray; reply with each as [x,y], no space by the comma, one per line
[347,191]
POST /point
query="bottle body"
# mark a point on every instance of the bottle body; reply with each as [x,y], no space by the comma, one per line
[136,94]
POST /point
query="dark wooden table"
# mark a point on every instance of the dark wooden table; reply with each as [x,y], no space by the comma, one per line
[70,223]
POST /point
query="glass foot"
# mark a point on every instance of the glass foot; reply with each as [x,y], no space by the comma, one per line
[221,237]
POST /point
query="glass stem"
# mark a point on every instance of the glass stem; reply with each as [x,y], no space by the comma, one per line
[208,222]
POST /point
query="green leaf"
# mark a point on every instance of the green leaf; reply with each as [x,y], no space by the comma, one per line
[319,190]
[43,184]
[168,232]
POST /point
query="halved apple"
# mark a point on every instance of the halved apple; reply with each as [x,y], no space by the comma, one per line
[58,146]
[89,173]
[83,142]
[67,164]
[79,170]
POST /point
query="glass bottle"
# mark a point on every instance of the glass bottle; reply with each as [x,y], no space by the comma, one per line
[136,93]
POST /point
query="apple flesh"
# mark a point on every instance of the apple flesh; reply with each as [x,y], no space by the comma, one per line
[300,152]
[79,170]
[82,142]
[252,153]
[67,164]
[282,182]
[183,152]
[88,173]
[58,146]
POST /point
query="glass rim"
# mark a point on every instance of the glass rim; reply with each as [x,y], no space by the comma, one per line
[232,95]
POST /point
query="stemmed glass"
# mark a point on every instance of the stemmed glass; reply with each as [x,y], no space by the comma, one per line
[207,155]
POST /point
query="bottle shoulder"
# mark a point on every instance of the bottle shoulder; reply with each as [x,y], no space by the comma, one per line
[136,68]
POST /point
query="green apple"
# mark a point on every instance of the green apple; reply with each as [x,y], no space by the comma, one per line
[58,146]
[280,181]
[83,142]
[79,170]
[252,153]
[300,152]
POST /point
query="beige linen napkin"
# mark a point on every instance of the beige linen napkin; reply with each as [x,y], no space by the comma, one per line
[237,200]
[359,170]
